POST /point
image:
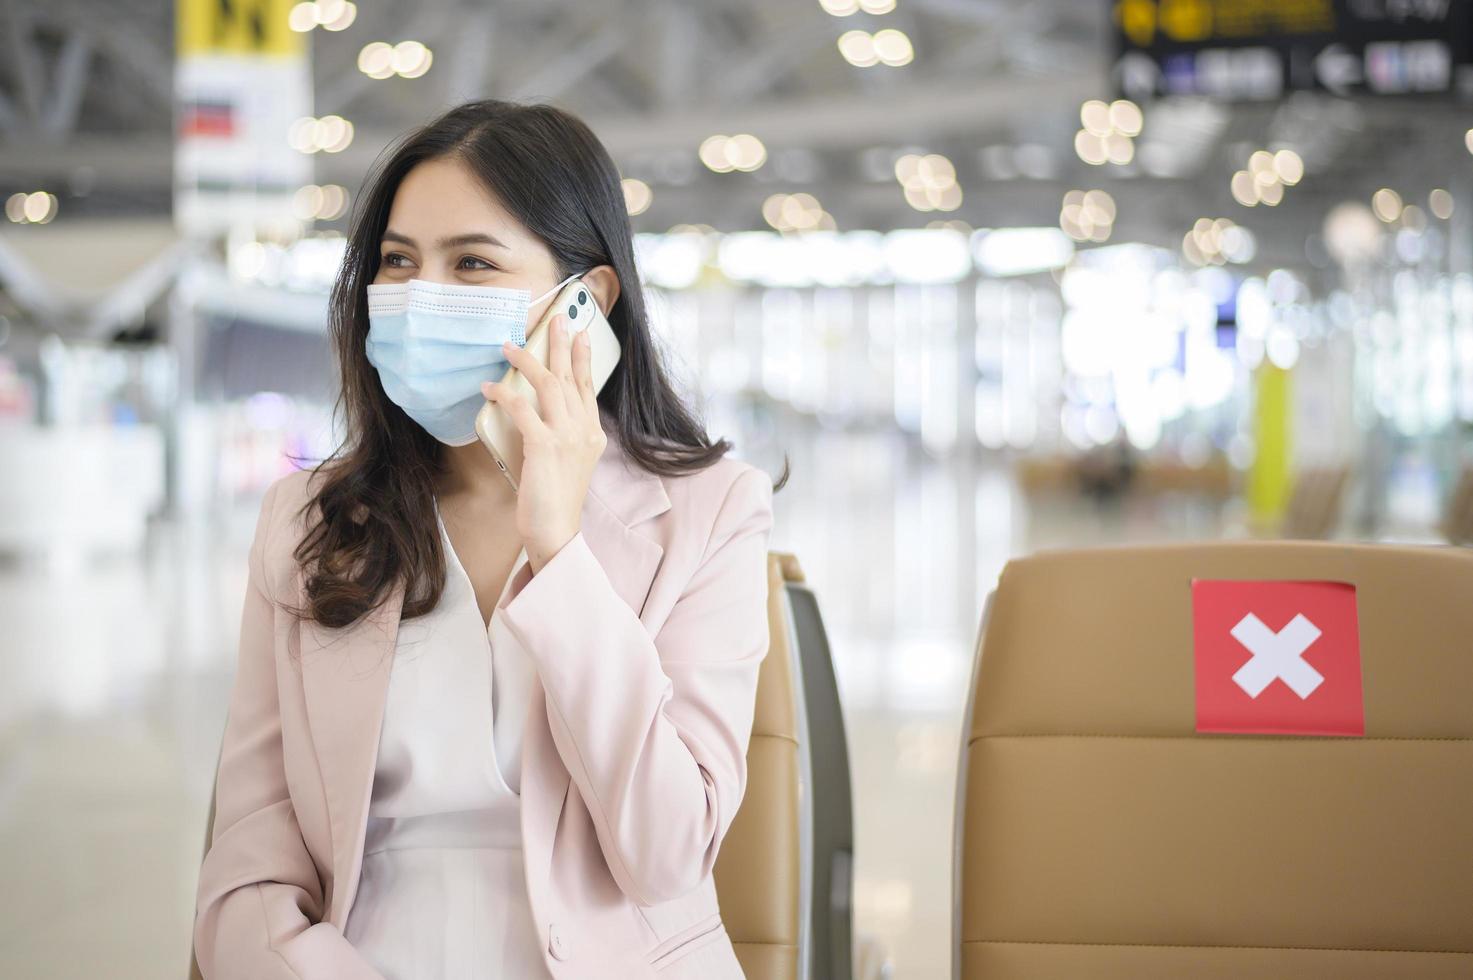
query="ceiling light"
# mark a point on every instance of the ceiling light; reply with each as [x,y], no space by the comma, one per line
[37,207]
[920,172]
[411,59]
[893,47]
[713,154]
[934,170]
[1191,251]
[307,201]
[1387,204]
[40,207]
[947,197]
[1075,223]
[1238,244]
[864,50]
[724,154]
[1205,233]
[330,134]
[1090,147]
[772,209]
[858,48]
[801,210]
[637,195]
[1119,148]
[1099,206]
[1289,166]
[796,212]
[336,15]
[376,60]
[1108,131]
[1440,202]
[332,15]
[1094,115]
[334,201]
[1217,241]
[1087,216]
[1245,189]
[1125,117]
[303,17]
[333,134]
[745,152]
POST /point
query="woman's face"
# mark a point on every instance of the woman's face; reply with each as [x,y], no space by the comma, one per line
[446,227]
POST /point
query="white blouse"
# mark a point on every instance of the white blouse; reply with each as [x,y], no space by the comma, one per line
[442,894]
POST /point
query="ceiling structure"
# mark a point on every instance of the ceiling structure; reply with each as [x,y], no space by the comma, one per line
[995,85]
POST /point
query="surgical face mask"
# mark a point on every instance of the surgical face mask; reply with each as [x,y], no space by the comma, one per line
[433,344]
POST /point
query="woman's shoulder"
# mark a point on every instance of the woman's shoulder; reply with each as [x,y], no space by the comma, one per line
[284,509]
[730,490]
[287,495]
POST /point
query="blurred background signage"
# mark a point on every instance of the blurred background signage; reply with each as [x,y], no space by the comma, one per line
[242,79]
[1261,49]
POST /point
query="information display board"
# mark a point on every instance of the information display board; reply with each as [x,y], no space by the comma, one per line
[1262,49]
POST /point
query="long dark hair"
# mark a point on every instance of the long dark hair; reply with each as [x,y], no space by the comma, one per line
[376,498]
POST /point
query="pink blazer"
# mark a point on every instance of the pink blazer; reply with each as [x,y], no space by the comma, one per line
[647,630]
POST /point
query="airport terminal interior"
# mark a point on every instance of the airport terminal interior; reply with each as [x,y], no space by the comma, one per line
[997,280]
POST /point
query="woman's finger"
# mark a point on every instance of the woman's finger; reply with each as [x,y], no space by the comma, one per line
[583,372]
[518,408]
[549,395]
[560,362]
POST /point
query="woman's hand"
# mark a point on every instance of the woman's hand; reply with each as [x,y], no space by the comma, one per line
[560,447]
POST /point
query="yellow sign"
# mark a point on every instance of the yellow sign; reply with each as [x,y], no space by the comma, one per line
[239,27]
[1186,20]
[1194,21]
[1137,20]
[1269,478]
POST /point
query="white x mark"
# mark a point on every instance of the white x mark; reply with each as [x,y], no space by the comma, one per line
[1277,656]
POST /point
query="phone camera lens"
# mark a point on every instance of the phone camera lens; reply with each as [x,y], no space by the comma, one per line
[582,297]
[572,313]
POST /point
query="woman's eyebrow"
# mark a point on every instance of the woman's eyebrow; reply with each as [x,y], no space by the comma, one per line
[453,241]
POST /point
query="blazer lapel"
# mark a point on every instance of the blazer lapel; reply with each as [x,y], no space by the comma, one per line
[345,675]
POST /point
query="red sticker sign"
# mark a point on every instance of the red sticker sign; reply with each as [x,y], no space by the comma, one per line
[1277,657]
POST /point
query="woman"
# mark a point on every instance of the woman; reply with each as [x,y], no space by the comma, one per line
[477,733]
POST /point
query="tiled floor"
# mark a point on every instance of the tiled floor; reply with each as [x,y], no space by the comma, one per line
[116,674]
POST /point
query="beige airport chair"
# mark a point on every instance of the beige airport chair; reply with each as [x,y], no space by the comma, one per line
[1099,835]
[1457,523]
[1212,479]
[794,833]
[1315,502]
[760,881]
[763,873]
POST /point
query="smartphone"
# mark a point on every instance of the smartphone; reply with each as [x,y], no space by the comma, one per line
[498,433]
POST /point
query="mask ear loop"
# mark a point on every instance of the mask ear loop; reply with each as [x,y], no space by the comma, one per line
[554,289]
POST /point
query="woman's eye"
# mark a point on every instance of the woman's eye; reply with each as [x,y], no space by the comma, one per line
[389,260]
[482,264]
